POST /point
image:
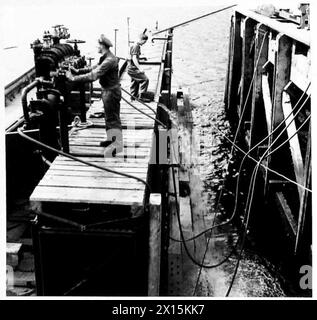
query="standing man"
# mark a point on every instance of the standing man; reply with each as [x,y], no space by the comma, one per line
[107,71]
[139,81]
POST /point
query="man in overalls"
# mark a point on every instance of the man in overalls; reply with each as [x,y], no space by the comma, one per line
[107,71]
[139,81]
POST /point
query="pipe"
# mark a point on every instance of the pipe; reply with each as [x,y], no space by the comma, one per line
[194,19]
[25,91]
[157,38]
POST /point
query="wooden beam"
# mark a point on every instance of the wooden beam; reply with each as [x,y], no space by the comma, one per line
[155,245]
[301,68]
[281,78]
[260,58]
[282,75]
[267,100]
[285,209]
[235,66]
[304,194]
[226,95]
[247,66]
[175,271]
[88,195]
[296,153]
[289,29]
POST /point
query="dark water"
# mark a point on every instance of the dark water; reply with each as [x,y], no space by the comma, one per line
[199,65]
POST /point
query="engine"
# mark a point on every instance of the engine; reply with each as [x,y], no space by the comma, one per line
[57,101]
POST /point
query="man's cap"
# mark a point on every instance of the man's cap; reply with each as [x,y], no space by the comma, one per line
[103,40]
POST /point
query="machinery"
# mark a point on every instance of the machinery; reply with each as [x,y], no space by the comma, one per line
[57,101]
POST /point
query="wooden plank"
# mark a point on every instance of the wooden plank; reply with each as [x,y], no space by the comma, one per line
[289,29]
[197,215]
[124,167]
[267,101]
[120,166]
[127,152]
[154,273]
[281,75]
[294,142]
[88,195]
[139,145]
[228,65]
[107,161]
[285,209]
[304,194]
[126,134]
[12,250]
[175,271]
[126,139]
[129,125]
[187,223]
[91,182]
[301,68]
[126,109]
[86,173]
[101,132]
[131,117]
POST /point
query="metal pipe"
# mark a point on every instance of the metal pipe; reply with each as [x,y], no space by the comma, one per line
[82,98]
[158,38]
[25,92]
[194,19]
[115,41]
[128,22]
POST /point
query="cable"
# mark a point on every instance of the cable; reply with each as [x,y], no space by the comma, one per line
[246,154]
[183,238]
[147,115]
[239,124]
[177,204]
[248,94]
[246,217]
[194,19]
[245,230]
[250,199]
[290,138]
[138,100]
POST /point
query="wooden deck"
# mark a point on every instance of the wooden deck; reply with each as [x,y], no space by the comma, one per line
[73,182]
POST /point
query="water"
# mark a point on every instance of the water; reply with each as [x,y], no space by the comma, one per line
[199,64]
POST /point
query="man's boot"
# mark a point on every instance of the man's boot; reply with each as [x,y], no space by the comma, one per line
[107,142]
[143,98]
[113,149]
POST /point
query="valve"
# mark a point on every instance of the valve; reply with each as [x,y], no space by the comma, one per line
[75,42]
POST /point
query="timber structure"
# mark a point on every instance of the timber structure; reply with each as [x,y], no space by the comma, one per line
[268,95]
